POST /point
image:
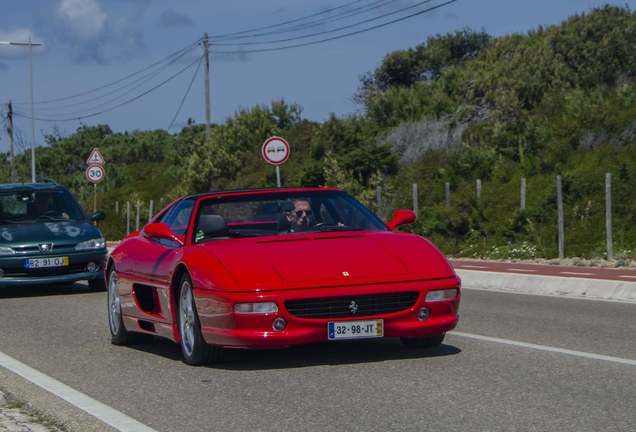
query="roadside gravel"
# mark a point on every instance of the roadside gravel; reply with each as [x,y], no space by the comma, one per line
[15,416]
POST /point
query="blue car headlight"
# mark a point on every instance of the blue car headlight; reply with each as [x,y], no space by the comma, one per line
[6,250]
[98,243]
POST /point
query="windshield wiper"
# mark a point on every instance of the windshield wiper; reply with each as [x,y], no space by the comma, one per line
[242,234]
[329,228]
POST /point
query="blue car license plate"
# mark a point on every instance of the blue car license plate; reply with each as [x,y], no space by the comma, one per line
[46,262]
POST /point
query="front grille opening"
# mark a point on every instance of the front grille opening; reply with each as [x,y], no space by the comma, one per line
[341,307]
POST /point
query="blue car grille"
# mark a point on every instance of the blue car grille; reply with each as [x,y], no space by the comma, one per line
[342,307]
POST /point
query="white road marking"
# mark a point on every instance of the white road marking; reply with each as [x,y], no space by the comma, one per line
[626,276]
[547,348]
[554,295]
[108,415]
[522,270]
[471,266]
[577,273]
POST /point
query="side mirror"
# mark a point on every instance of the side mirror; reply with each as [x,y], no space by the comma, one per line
[161,231]
[100,215]
[401,217]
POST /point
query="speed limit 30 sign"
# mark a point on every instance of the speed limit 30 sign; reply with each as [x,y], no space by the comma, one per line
[95,173]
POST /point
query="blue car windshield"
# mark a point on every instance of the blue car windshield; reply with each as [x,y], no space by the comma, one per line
[39,206]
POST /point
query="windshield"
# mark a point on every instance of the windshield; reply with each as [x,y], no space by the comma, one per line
[282,213]
[38,206]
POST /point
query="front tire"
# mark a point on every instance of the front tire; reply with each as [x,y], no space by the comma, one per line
[119,334]
[423,342]
[196,351]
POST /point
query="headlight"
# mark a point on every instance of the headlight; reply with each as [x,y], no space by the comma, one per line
[255,308]
[97,243]
[440,295]
[6,250]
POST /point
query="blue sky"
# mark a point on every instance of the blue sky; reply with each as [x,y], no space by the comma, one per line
[89,47]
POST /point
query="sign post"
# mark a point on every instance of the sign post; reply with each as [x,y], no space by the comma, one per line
[95,172]
[276,151]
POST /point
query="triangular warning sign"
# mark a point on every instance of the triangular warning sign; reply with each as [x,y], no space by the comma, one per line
[95,158]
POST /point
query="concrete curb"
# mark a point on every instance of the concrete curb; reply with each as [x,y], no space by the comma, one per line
[590,288]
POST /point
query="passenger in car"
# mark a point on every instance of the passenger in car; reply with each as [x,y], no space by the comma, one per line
[300,218]
[43,206]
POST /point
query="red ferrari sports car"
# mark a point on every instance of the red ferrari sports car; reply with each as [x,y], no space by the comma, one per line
[274,268]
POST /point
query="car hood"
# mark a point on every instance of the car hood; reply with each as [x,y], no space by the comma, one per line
[328,259]
[59,233]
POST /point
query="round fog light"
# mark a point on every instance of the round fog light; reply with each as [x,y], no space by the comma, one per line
[423,314]
[91,266]
[279,324]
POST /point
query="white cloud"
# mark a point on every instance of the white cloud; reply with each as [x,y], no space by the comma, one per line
[83,19]
[81,24]
[129,40]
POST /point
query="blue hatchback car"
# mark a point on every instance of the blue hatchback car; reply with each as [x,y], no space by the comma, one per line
[47,238]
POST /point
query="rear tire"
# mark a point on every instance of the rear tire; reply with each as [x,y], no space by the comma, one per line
[119,334]
[423,342]
[196,351]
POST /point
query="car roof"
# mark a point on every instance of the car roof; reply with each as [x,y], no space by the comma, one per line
[260,191]
[39,185]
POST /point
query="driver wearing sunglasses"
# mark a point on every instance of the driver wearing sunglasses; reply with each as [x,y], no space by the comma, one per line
[300,217]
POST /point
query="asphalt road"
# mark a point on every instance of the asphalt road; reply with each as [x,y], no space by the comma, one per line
[467,384]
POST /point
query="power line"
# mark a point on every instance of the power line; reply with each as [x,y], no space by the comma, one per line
[322,21]
[186,94]
[328,31]
[286,22]
[189,47]
[120,105]
[335,37]
[146,78]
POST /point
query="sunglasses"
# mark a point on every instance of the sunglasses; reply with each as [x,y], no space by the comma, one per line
[299,213]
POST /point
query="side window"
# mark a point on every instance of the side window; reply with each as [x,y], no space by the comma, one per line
[179,217]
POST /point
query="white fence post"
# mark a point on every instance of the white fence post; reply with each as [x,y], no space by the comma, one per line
[137,218]
[523,194]
[478,188]
[117,207]
[127,217]
[447,195]
[415,203]
[560,209]
[150,211]
[608,215]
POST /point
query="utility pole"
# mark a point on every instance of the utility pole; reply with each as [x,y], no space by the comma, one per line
[30,45]
[207,86]
[10,115]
